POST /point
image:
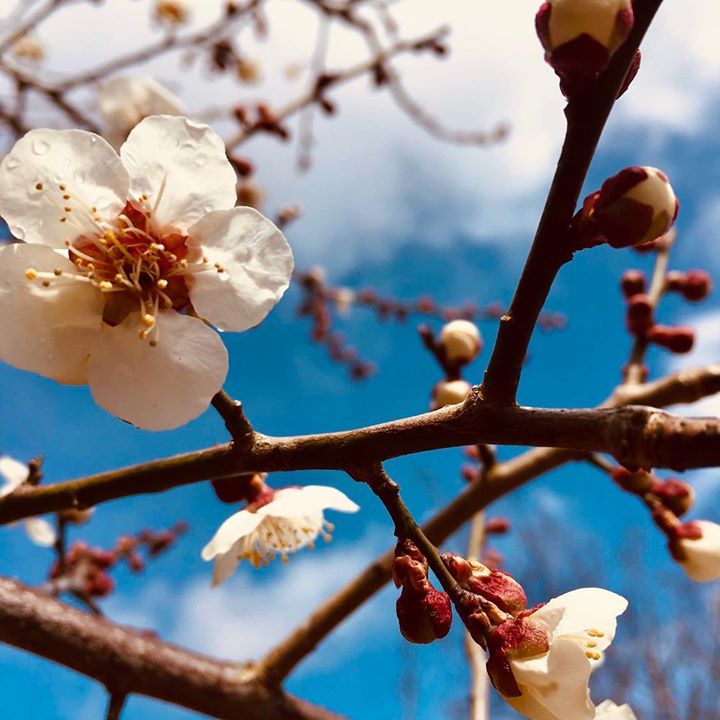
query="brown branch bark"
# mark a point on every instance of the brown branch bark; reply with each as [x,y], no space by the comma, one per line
[127,661]
[635,435]
[586,118]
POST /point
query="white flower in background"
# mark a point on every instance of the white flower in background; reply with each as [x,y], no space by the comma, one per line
[125,101]
[700,557]
[292,520]
[580,626]
[608,710]
[149,238]
[13,474]
[461,340]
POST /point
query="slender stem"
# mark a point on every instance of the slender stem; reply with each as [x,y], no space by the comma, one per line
[551,248]
[116,702]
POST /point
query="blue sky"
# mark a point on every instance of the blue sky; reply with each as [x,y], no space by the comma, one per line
[388,207]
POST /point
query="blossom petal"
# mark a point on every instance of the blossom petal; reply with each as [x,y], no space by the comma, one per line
[226,564]
[309,500]
[256,263]
[49,331]
[40,531]
[13,472]
[702,556]
[530,707]
[558,680]
[181,167]
[124,101]
[586,609]
[161,387]
[237,526]
[50,170]
[608,710]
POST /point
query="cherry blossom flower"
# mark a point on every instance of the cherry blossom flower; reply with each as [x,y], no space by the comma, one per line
[13,474]
[289,519]
[553,684]
[150,245]
[608,710]
[125,101]
[698,552]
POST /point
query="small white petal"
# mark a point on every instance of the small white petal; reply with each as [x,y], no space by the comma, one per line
[702,556]
[31,200]
[49,331]
[13,472]
[183,160]
[124,101]
[558,680]
[162,387]
[237,526]
[256,263]
[310,500]
[226,564]
[584,609]
[608,710]
[40,531]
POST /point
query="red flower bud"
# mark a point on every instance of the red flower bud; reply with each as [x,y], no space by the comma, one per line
[497,526]
[678,339]
[675,495]
[639,317]
[632,283]
[638,482]
[423,616]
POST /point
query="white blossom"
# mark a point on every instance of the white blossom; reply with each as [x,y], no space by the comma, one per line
[13,474]
[125,101]
[580,625]
[701,557]
[608,710]
[292,520]
[152,243]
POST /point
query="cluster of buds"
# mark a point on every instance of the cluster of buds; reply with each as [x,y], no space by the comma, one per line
[85,570]
[579,39]
[695,544]
[424,613]
[262,118]
[693,286]
[632,208]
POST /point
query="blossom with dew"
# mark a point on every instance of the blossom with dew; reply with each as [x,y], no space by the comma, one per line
[124,259]
[13,474]
[125,101]
[541,661]
[697,549]
[608,710]
[580,37]
[286,521]
[449,392]
[461,341]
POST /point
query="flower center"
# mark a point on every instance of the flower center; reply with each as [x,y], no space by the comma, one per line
[135,267]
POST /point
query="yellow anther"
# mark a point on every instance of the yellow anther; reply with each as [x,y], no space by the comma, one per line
[148,320]
[153,343]
[46,283]
[205,259]
[595,633]
[591,644]
[67,208]
[39,186]
[592,655]
[31,274]
[105,285]
[62,187]
[57,272]
[66,197]
[162,284]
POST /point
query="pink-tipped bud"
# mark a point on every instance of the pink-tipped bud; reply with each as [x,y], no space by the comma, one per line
[632,283]
[635,206]
[696,546]
[579,38]
[678,339]
[449,392]
[675,495]
[639,316]
[461,341]
[424,615]
[498,526]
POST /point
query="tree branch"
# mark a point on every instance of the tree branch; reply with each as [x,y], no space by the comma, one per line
[128,661]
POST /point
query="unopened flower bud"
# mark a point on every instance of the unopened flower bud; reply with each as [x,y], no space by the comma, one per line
[638,482]
[675,495]
[632,283]
[423,616]
[497,526]
[410,567]
[461,341]
[580,37]
[99,584]
[696,548]
[677,339]
[449,393]
[517,639]
[639,316]
[76,516]
[694,285]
